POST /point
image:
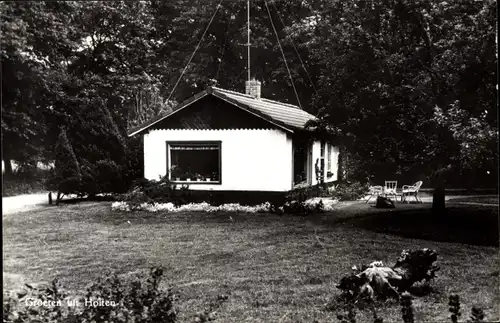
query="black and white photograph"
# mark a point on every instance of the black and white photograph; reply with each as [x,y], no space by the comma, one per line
[230,161]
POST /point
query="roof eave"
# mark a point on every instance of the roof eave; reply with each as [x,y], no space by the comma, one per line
[259,114]
[219,94]
[178,108]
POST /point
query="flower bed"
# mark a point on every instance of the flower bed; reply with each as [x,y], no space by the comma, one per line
[206,207]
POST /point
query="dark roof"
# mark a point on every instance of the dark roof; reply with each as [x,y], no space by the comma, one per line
[286,116]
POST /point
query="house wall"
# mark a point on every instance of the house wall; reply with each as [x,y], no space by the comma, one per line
[335,164]
[251,159]
[316,154]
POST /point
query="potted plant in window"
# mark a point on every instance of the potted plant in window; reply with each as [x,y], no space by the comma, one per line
[198,177]
[176,173]
[214,176]
[188,176]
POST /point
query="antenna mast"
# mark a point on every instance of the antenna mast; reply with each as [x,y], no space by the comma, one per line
[248,39]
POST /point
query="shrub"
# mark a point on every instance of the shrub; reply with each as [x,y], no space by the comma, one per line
[407,308]
[106,165]
[349,191]
[139,300]
[67,175]
[190,207]
[151,191]
[16,186]
[454,303]
[108,177]
[477,314]
[298,202]
[210,314]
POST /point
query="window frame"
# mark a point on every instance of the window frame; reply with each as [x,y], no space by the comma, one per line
[329,150]
[217,143]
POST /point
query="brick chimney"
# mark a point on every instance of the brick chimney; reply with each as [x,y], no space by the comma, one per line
[252,88]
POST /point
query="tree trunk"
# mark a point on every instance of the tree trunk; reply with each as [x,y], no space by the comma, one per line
[438,200]
[8,167]
[438,197]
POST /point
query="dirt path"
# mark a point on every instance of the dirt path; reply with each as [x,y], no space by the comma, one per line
[21,203]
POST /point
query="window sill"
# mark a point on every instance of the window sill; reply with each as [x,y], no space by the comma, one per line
[196,182]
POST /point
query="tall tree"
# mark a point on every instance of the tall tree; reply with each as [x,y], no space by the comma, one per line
[389,68]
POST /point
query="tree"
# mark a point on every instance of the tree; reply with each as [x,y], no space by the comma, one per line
[67,174]
[385,67]
[407,87]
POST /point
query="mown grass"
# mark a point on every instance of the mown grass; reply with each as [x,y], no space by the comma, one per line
[272,267]
[478,199]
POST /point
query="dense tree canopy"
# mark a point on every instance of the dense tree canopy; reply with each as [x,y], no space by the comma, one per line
[406,87]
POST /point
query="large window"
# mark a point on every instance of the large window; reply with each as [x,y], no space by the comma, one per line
[194,162]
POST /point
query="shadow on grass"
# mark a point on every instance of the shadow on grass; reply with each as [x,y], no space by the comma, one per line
[469,225]
[76,200]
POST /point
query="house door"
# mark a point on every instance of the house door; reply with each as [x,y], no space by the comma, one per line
[310,165]
[302,163]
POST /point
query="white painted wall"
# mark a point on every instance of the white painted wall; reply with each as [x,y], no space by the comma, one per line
[252,159]
[335,165]
[316,153]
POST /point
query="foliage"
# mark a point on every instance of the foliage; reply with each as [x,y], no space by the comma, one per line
[347,310]
[67,176]
[302,202]
[209,314]
[151,206]
[407,308]
[376,72]
[295,203]
[477,314]
[161,191]
[15,186]
[26,183]
[350,191]
[416,266]
[454,303]
[350,317]
[376,279]
[349,299]
[138,300]
[385,67]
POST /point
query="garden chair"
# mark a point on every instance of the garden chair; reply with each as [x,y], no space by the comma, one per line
[390,188]
[375,191]
[411,190]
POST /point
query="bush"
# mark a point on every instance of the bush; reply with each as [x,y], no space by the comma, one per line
[16,186]
[109,166]
[67,175]
[108,177]
[298,202]
[349,191]
[139,300]
[161,191]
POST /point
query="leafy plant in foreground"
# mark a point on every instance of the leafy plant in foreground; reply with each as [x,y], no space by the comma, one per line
[477,314]
[407,308]
[454,303]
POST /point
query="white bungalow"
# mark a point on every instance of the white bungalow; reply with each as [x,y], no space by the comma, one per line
[220,140]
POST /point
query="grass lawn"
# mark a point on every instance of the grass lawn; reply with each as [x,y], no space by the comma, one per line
[478,199]
[271,267]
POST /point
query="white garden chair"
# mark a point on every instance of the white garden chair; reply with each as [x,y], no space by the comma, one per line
[411,190]
[375,191]
[390,188]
